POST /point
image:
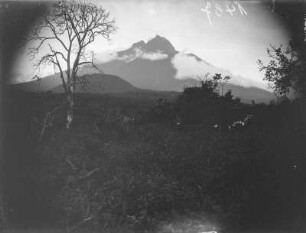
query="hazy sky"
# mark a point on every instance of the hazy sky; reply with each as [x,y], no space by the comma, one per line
[232,41]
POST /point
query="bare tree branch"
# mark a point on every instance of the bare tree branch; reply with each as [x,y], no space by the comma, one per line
[47,121]
[66,31]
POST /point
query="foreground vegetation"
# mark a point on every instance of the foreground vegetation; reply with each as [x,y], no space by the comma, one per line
[156,165]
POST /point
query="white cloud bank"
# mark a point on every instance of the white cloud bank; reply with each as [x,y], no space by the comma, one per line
[137,53]
[107,57]
[188,66]
[154,56]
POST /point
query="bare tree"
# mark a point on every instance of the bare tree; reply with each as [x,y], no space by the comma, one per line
[64,34]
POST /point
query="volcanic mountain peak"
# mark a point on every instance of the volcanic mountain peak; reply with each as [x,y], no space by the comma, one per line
[140,45]
[159,43]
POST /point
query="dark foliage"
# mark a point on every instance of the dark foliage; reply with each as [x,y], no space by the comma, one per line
[127,166]
[285,71]
[201,105]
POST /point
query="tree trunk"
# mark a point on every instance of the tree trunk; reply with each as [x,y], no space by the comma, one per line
[70,107]
[222,89]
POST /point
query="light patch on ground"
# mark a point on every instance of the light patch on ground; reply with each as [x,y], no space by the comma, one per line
[191,224]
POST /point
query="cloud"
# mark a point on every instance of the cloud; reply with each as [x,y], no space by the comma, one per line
[242,81]
[188,66]
[107,57]
[247,82]
[154,56]
[137,53]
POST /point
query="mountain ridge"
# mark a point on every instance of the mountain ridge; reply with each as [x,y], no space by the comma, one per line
[160,74]
[145,66]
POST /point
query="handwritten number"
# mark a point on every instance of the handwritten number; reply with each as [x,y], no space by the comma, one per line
[207,11]
[230,10]
[218,10]
[241,9]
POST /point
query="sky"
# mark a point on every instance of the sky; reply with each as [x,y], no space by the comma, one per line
[229,35]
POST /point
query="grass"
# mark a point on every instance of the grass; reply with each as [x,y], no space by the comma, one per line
[146,174]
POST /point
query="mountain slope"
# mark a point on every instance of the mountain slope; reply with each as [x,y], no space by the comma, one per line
[41,85]
[100,84]
[137,66]
[91,83]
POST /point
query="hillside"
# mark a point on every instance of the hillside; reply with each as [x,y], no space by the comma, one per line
[91,83]
[100,84]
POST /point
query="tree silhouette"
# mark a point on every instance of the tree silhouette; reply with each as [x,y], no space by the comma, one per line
[288,65]
[284,71]
[64,33]
[221,81]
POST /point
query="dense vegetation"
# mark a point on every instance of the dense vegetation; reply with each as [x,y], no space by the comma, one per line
[147,163]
